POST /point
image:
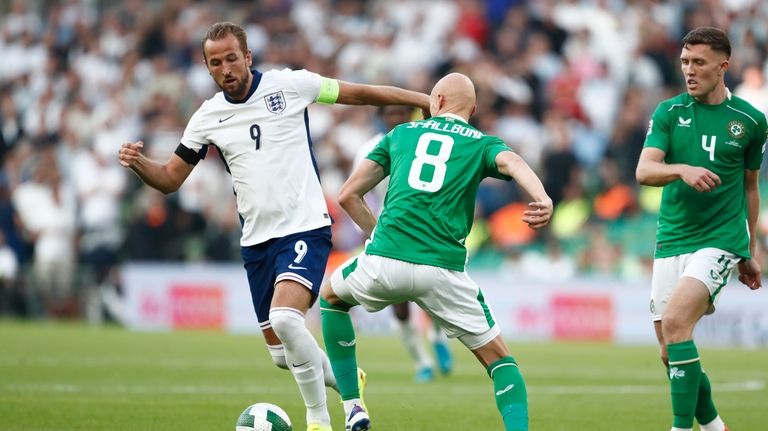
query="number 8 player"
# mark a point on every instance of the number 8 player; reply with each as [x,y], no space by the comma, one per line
[416,252]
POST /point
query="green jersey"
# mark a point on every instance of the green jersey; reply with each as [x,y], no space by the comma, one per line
[726,139]
[435,168]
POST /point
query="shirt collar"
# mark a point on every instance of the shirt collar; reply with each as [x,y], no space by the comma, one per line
[454,116]
[254,85]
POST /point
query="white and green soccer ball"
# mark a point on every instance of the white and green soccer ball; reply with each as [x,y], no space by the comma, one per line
[263,417]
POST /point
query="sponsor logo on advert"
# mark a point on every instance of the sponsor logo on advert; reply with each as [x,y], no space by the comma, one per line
[583,316]
[196,306]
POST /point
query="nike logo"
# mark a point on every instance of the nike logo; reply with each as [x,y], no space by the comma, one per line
[507,389]
[296,267]
[221,120]
[297,366]
[347,343]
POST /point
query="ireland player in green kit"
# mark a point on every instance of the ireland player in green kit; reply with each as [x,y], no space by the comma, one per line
[416,251]
[704,147]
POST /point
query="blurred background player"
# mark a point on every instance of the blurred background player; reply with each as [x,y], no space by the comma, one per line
[390,116]
[705,147]
[417,251]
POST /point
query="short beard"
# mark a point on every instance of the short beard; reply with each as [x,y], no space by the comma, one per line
[239,90]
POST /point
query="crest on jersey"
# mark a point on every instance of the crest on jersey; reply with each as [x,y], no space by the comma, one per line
[275,102]
[736,129]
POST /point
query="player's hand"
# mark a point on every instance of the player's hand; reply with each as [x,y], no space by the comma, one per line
[750,274]
[538,214]
[129,153]
[701,179]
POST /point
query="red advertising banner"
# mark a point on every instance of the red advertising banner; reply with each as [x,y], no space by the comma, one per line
[579,316]
[196,306]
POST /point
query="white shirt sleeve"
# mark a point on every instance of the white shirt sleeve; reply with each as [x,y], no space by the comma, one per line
[306,84]
[193,137]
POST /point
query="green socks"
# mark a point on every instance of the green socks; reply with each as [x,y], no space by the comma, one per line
[706,411]
[511,396]
[705,407]
[684,380]
[339,337]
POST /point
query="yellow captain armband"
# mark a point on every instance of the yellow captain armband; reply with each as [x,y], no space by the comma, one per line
[329,91]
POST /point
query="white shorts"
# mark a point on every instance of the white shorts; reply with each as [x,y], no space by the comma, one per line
[711,266]
[451,298]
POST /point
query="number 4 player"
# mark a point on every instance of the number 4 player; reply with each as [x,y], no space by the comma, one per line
[704,147]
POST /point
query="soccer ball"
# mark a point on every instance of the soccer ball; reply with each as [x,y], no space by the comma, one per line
[263,417]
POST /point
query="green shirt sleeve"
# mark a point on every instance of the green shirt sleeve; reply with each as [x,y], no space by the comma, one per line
[329,91]
[754,155]
[380,153]
[493,146]
[659,130]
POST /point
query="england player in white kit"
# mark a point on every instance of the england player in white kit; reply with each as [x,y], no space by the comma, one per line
[260,126]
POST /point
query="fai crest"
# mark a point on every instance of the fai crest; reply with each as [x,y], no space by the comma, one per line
[736,129]
[275,102]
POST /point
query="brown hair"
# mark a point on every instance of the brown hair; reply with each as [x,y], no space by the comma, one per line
[714,37]
[220,30]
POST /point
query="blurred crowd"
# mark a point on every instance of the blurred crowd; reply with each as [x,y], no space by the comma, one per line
[569,85]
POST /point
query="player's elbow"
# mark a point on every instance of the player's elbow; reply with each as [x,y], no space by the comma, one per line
[642,175]
[169,187]
[166,190]
[510,163]
[348,197]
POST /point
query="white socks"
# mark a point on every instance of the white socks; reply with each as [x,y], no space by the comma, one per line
[328,376]
[303,358]
[716,425]
[277,352]
[278,357]
[413,345]
[350,404]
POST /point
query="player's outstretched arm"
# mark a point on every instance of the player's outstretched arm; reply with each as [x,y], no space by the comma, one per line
[365,177]
[540,210]
[378,95]
[166,178]
[749,271]
[652,171]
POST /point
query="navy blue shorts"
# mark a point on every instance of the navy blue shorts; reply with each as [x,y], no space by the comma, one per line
[300,257]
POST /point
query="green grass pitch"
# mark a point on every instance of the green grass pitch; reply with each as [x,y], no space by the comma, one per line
[72,377]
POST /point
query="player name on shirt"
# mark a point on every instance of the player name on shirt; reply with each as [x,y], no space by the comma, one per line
[456,128]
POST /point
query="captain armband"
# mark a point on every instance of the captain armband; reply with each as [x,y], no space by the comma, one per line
[329,91]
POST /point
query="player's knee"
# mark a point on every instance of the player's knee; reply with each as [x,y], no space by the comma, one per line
[328,299]
[674,329]
[286,322]
[327,294]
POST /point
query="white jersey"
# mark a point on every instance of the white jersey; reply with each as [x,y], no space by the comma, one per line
[266,146]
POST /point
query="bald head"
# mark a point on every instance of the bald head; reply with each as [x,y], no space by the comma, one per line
[454,94]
